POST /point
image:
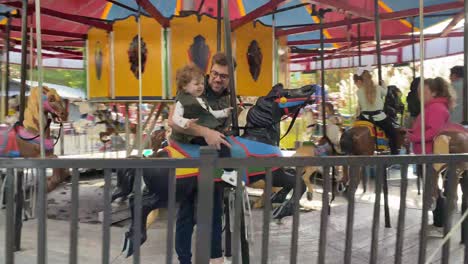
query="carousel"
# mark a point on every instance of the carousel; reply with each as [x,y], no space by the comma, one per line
[131,51]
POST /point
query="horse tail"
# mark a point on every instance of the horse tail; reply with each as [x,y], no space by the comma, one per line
[346,142]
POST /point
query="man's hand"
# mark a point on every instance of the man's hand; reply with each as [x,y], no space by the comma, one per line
[190,123]
[214,138]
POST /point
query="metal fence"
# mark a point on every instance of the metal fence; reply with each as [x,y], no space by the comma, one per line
[206,164]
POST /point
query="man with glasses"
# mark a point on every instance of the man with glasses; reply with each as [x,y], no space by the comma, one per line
[217,95]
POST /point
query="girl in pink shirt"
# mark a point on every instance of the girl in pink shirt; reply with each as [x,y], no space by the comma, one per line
[438,100]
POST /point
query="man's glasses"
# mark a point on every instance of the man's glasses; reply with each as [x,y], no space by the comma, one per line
[222,76]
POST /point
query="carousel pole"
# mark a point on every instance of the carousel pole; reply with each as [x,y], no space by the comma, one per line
[228,50]
[42,187]
[24,57]
[321,16]
[413,48]
[465,80]
[218,26]
[31,50]
[4,97]
[426,180]
[140,86]
[31,78]
[379,67]
[20,174]
[2,88]
[7,63]
[359,45]
[275,54]
[378,39]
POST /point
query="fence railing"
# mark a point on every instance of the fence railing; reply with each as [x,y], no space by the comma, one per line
[206,163]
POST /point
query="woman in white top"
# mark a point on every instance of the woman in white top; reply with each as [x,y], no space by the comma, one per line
[371,98]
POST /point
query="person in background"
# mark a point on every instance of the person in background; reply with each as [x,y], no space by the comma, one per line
[456,77]
[371,104]
[438,100]
[393,105]
[412,101]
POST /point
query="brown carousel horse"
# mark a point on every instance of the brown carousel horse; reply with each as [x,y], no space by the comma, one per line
[113,126]
[363,140]
[23,139]
[451,140]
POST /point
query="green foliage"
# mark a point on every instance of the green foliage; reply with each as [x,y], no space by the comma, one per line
[71,78]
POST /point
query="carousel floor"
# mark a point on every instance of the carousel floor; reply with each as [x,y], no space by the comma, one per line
[153,251]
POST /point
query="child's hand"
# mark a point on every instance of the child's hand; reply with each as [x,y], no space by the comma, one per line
[227,110]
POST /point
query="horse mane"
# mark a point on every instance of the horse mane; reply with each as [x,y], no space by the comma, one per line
[260,115]
[31,120]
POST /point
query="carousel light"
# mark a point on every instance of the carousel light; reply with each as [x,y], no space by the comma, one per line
[283,100]
[281,51]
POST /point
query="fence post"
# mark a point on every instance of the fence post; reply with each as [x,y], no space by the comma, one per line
[19,204]
[208,157]
[10,217]
[450,203]
[464,186]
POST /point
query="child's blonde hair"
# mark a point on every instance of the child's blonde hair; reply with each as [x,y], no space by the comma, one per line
[370,89]
[186,74]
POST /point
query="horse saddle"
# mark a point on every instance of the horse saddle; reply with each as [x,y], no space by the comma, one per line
[8,145]
[240,148]
[376,132]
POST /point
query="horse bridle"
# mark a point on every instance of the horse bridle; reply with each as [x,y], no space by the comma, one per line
[45,129]
[305,100]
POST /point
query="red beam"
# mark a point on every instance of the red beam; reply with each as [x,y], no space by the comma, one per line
[390,47]
[371,52]
[384,16]
[346,8]
[78,44]
[70,17]
[260,11]
[457,18]
[49,32]
[310,54]
[154,12]
[368,38]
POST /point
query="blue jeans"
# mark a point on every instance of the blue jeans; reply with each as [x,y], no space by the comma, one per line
[186,221]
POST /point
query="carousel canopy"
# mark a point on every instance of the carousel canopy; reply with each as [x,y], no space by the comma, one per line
[66,23]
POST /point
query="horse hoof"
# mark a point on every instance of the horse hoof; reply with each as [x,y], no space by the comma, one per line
[127,247]
[286,209]
[341,187]
[310,196]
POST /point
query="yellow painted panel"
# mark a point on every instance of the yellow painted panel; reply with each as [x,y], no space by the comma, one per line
[245,83]
[184,31]
[126,81]
[283,71]
[98,63]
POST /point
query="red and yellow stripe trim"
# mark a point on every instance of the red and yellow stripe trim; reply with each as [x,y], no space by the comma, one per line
[106,10]
[388,9]
[326,33]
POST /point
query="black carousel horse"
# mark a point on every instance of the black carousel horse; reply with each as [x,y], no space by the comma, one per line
[263,125]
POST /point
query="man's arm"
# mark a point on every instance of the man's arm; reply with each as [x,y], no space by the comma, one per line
[212,137]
